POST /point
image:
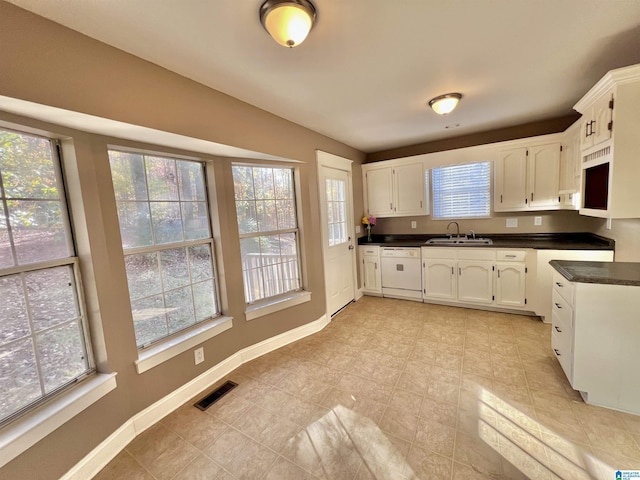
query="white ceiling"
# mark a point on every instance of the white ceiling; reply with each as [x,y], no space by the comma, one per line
[368,68]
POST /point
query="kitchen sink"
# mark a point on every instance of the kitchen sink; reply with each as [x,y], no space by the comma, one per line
[458,241]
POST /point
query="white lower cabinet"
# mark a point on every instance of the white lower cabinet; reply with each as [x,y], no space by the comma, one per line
[370,269]
[439,279]
[510,276]
[474,276]
[475,281]
[595,331]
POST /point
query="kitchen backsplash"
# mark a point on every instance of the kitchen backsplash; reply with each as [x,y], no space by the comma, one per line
[552,221]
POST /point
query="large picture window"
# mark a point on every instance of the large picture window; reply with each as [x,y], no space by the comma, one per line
[166,237]
[268,227]
[44,345]
[462,191]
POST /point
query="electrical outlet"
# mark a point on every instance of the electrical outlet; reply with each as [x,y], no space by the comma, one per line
[414,224]
[198,355]
[512,222]
[537,221]
[608,224]
[357,228]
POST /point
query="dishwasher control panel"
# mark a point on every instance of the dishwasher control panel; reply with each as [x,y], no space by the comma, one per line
[409,252]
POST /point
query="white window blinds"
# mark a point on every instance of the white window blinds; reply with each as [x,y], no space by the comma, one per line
[462,191]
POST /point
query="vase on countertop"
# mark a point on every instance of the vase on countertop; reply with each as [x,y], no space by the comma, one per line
[368,233]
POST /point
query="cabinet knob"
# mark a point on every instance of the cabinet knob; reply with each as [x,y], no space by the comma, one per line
[560,284]
[557,329]
[557,352]
[558,305]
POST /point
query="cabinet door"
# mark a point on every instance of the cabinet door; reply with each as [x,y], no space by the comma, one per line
[601,117]
[586,136]
[544,172]
[510,284]
[410,188]
[475,281]
[379,191]
[371,274]
[511,181]
[439,279]
[570,163]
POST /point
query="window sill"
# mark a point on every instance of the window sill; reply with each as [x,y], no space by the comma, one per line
[26,431]
[165,350]
[276,304]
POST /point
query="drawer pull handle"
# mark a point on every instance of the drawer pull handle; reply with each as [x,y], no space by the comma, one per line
[558,305]
[510,256]
[557,352]
[558,330]
[560,284]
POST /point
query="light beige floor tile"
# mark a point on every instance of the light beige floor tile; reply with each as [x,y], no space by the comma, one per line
[123,466]
[395,389]
[201,468]
[162,452]
[283,469]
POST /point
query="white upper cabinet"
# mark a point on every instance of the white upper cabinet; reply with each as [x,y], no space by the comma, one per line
[378,191]
[511,180]
[610,147]
[527,178]
[597,122]
[395,188]
[543,176]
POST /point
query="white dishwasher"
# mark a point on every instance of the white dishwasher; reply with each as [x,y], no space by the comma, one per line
[401,272]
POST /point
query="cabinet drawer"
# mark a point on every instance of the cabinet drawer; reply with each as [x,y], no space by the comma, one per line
[465,253]
[563,311]
[436,252]
[561,349]
[564,287]
[511,255]
[370,250]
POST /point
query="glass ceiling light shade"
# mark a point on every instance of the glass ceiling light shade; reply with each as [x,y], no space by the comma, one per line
[444,104]
[288,21]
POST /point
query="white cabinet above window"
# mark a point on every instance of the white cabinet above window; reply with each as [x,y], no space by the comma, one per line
[395,188]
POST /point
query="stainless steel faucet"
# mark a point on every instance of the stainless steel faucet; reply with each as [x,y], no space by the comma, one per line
[457,228]
[473,234]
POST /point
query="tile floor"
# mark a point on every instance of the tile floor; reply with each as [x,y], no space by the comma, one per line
[394,389]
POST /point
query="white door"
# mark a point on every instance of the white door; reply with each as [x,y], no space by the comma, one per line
[511,180]
[510,284]
[378,183]
[544,170]
[475,282]
[439,279]
[409,182]
[337,230]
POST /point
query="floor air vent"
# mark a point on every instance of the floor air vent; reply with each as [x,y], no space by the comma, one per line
[216,395]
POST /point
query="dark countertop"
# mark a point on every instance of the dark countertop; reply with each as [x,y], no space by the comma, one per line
[610,273]
[540,241]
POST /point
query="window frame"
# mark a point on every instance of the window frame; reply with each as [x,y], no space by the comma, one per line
[72,261]
[274,303]
[458,215]
[163,348]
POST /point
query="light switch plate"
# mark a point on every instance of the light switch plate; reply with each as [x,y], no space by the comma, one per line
[608,224]
[357,228]
[512,222]
[414,224]
[537,221]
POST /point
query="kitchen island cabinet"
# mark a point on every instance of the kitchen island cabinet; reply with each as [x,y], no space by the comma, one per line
[595,332]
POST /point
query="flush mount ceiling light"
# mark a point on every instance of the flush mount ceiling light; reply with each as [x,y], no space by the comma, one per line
[443,104]
[288,21]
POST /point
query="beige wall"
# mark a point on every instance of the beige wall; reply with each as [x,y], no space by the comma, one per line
[626,233]
[48,64]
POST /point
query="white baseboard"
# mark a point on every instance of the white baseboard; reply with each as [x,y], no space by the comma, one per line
[100,456]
